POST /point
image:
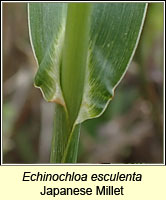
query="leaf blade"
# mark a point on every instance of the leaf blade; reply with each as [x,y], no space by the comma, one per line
[47,28]
[110,57]
[117,20]
[114,33]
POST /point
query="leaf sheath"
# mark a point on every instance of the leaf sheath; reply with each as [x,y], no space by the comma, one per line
[64,143]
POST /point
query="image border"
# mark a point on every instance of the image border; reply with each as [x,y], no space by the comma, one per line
[83,164]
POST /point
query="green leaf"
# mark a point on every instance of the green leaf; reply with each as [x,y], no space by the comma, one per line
[115,31]
[47,27]
[114,34]
[74,59]
[83,51]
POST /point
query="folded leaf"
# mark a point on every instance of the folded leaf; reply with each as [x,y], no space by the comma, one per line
[47,27]
[114,33]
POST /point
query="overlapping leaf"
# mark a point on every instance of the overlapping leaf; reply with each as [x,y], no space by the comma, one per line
[47,27]
[114,33]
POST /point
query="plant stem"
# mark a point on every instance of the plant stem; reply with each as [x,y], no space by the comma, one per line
[64,142]
[74,57]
